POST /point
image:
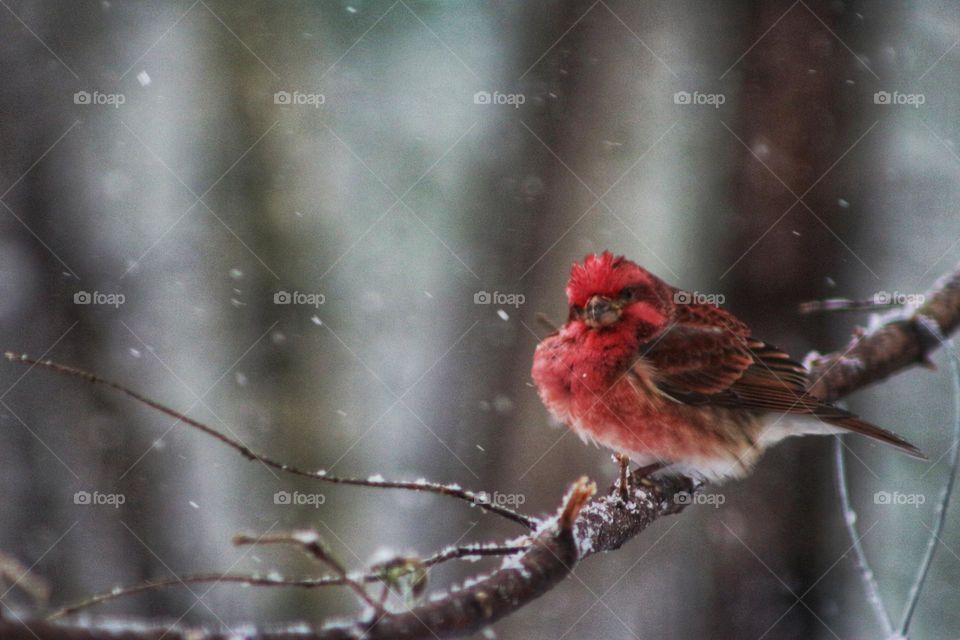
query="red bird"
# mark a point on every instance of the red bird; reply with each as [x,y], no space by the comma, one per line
[642,368]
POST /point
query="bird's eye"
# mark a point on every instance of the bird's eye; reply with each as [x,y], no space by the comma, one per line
[575,312]
[628,293]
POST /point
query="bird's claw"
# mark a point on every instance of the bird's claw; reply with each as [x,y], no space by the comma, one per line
[628,481]
[623,483]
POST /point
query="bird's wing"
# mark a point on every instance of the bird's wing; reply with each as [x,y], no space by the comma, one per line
[702,354]
[709,357]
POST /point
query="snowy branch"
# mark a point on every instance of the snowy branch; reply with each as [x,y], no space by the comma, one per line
[581,527]
[894,346]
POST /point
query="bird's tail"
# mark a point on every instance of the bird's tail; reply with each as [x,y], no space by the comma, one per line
[828,420]
[851,422]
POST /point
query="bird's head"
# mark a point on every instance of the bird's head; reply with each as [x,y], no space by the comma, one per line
[608,292]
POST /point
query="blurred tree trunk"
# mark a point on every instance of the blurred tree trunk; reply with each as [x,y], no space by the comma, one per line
[54,200]
[793,120]
[543,200]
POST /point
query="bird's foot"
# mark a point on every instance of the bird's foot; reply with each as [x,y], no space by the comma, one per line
[627,481]
[622,485]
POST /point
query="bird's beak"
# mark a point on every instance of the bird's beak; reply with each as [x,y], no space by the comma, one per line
[601,312]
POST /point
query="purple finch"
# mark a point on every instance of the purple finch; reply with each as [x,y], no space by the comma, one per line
[644,369]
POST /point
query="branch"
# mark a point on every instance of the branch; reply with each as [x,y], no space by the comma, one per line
[257,580]
[940,512]
[581,528]
[312,544]
[479,499]
[894,346]
[867,576]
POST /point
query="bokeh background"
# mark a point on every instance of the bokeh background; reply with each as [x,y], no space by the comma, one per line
[386,185]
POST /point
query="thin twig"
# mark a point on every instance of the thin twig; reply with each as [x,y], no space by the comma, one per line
[17,575]
[444,555]
[940,513]
[850,521]
[452,490]
[844,304]
[310,542]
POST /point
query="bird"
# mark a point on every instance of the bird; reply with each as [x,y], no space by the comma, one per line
[673,382]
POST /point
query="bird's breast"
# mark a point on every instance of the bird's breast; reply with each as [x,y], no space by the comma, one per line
[615,403]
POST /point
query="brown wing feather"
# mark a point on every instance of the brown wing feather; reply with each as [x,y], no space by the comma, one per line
[703,352]
[709,357]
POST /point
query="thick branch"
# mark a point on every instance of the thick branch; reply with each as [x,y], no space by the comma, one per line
[579,530]
[893,347]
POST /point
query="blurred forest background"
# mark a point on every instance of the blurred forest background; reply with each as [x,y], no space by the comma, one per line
[386,185]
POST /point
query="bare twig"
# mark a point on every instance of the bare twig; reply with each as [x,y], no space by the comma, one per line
[844,304]
[13,574]
[866,573]
[310,542]
[255,580]
[850,521]
[452,490]
[940,513]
